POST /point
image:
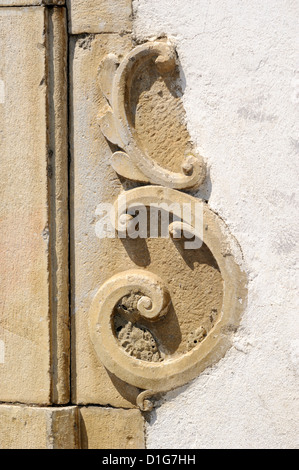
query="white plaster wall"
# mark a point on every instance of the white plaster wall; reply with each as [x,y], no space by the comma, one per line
[241,94]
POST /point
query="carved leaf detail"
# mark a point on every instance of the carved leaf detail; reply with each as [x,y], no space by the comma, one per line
[107,72]
[108,127]
[124,166]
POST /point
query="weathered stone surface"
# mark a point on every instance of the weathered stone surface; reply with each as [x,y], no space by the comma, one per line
[24,427]
[92,181]
[27,250]
[58,203]
[195,279]
[99,16]
[20,3]
[106,428]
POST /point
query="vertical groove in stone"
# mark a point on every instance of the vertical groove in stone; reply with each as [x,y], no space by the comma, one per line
[58,202]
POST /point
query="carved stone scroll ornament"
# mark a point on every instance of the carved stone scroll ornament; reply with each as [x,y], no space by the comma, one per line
[118,126]
[131,299]
[141,329]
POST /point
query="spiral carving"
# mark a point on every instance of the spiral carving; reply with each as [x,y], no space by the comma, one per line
[152,302]
[132,307]
[147,301]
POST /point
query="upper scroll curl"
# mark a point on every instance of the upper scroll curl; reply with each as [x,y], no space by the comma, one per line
[118,124]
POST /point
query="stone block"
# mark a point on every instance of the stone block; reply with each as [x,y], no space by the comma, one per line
[99,16]
[92,181]
[194,313]
[107,428]
[24,427]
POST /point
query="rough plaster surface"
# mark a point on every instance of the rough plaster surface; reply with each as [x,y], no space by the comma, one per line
[238,70]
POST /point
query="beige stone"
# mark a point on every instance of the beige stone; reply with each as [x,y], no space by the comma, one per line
[99,16]
[20,3]
[106,428]
[146,118]
[92,181]
[31,72]
[24,427]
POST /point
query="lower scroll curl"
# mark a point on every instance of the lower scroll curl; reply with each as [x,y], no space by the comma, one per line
[144,402]
[144,298]
[130,326]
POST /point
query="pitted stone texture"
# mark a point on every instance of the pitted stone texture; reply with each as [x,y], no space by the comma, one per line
[138,341]
[107,428]
[24,427]
[195,284]
[158,115]
[196,337]
[99,16]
